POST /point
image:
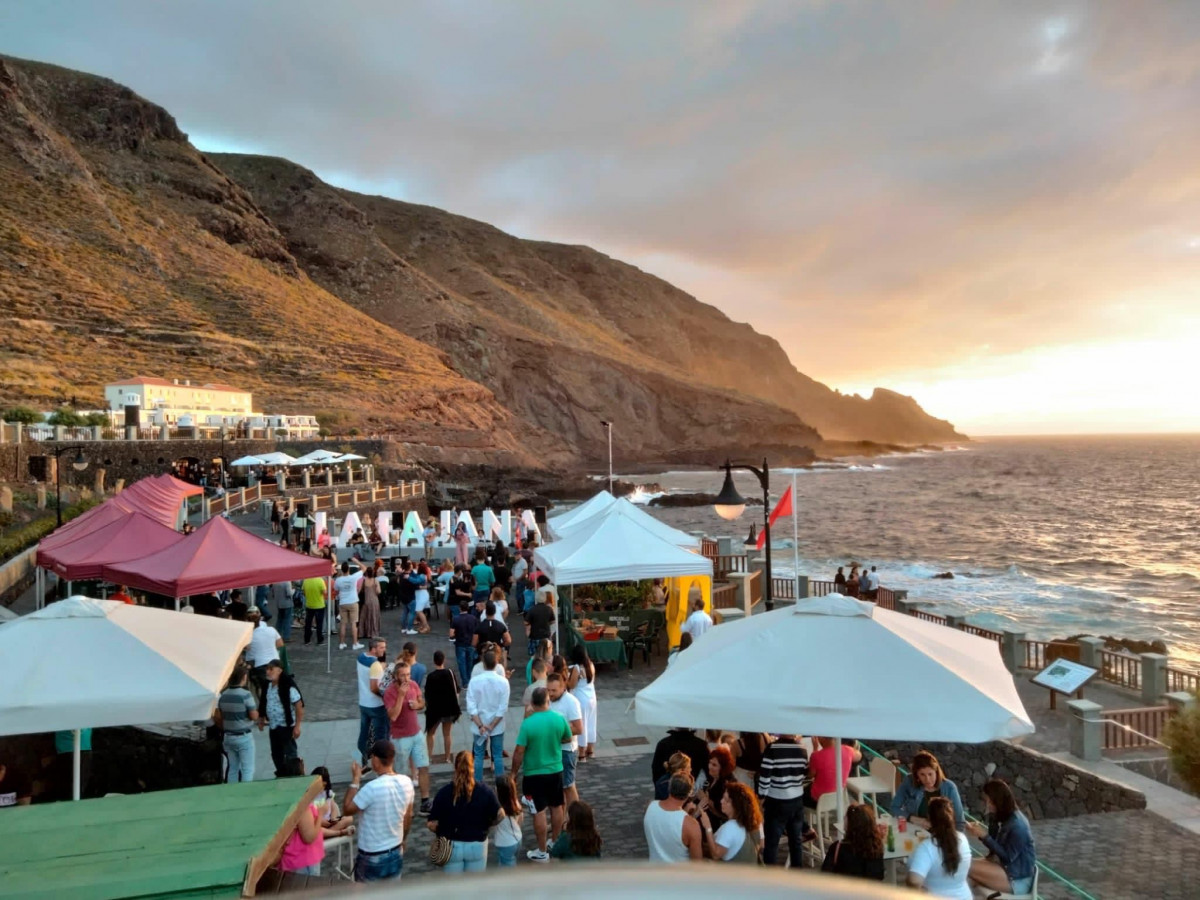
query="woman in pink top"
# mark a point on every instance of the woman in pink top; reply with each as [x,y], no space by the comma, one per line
[305,848]
[822,766]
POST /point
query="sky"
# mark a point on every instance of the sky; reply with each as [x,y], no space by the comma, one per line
[992,206]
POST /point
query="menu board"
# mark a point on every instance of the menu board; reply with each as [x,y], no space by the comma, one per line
[1064,676]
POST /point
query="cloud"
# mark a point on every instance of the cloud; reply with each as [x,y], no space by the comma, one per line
[884,187]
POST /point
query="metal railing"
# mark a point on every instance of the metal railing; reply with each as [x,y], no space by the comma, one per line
[981,632]
[1128,729]
[783,588]
[927,616]
[1179,680]
[1121,668]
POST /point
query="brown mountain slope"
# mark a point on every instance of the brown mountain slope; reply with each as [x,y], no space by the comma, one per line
[124,250]
[543,352]
[451,280]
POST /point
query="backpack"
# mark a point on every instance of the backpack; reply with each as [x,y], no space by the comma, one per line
[286,683]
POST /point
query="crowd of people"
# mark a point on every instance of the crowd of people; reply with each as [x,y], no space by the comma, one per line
[733,798]
[862,585]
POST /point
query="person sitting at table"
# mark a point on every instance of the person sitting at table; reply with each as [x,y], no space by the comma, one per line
[1011,860]
[738,838]
[822,766]
[376,540]
[305,847]
[323,539]
[860,853]
[941,864]
[927,781]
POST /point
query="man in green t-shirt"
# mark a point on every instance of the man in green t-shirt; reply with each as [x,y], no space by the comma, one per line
[314,608]
[539,748]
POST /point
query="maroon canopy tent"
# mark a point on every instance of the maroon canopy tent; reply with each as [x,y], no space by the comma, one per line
[218,555]
[129,537]
[93,520]
[161,498]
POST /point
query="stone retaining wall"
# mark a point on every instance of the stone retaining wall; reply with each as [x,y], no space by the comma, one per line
[1046,788]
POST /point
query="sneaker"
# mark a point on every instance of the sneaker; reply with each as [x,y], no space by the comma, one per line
[426,807]
[410,631]
[341,646]
[357,646]
[529,805]
[537,856]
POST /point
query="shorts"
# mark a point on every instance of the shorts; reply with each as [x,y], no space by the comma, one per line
[350,612]
[543,790]
[568,773]
[411,748]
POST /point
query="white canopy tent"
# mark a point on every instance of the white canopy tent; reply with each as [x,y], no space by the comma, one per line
[134,665]
[616,548]
[589,507]
[622,507]
[897,678]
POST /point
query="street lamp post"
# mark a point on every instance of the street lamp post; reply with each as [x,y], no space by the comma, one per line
[78,463]
[608,428]
[730,504]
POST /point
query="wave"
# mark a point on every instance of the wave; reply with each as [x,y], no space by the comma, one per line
[642,497]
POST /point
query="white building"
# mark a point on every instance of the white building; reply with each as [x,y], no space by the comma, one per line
[185,404]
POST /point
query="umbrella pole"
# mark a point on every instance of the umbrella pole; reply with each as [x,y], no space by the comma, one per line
[837,771]
[75,767]
[37,586]
[329,621]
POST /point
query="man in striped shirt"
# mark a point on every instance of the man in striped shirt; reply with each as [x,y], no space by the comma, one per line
[385,808]
[781,785]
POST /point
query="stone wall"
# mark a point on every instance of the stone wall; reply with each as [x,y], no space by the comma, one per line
[1045,787]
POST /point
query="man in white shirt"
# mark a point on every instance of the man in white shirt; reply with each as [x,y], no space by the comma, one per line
[373,723]
[698,622]
[565,704]
[487,704]
[385,806]
[265,642]
[346,586]
[872,584]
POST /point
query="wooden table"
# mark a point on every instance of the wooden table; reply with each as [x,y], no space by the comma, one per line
[212,841]
[906,843]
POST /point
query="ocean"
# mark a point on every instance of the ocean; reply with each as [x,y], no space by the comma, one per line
[1053,536]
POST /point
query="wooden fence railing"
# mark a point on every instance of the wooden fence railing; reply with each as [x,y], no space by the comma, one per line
[981,632]
[783,588]
[821,588]
[1126,729]
[723,565]
[244,497]
[708,548]
[925,616]
[724,596]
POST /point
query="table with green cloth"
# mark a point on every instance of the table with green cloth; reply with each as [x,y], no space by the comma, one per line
[612,650]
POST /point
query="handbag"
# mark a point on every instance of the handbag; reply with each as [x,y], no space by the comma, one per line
[439,851]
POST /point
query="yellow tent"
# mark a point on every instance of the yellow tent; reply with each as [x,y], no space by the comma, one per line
[679,590]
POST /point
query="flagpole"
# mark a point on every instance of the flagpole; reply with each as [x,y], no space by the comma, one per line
[795,536]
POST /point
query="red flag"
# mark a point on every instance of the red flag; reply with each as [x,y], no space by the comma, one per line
[782,508]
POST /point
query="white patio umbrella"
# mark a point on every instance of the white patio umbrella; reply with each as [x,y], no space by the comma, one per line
[836,666]
[277,458]
[349,457]
[132,665]
[247,461]
[315,456]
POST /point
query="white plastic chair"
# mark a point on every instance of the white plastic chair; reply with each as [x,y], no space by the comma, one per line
[1032,895]
[823,822]
[342,844]
[882,780]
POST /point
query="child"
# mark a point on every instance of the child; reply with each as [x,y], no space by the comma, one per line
[333,824]
[506,835]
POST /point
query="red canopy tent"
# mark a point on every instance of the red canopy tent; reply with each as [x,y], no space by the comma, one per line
[129,537]
[161,498]
[95,519]
[218,555]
